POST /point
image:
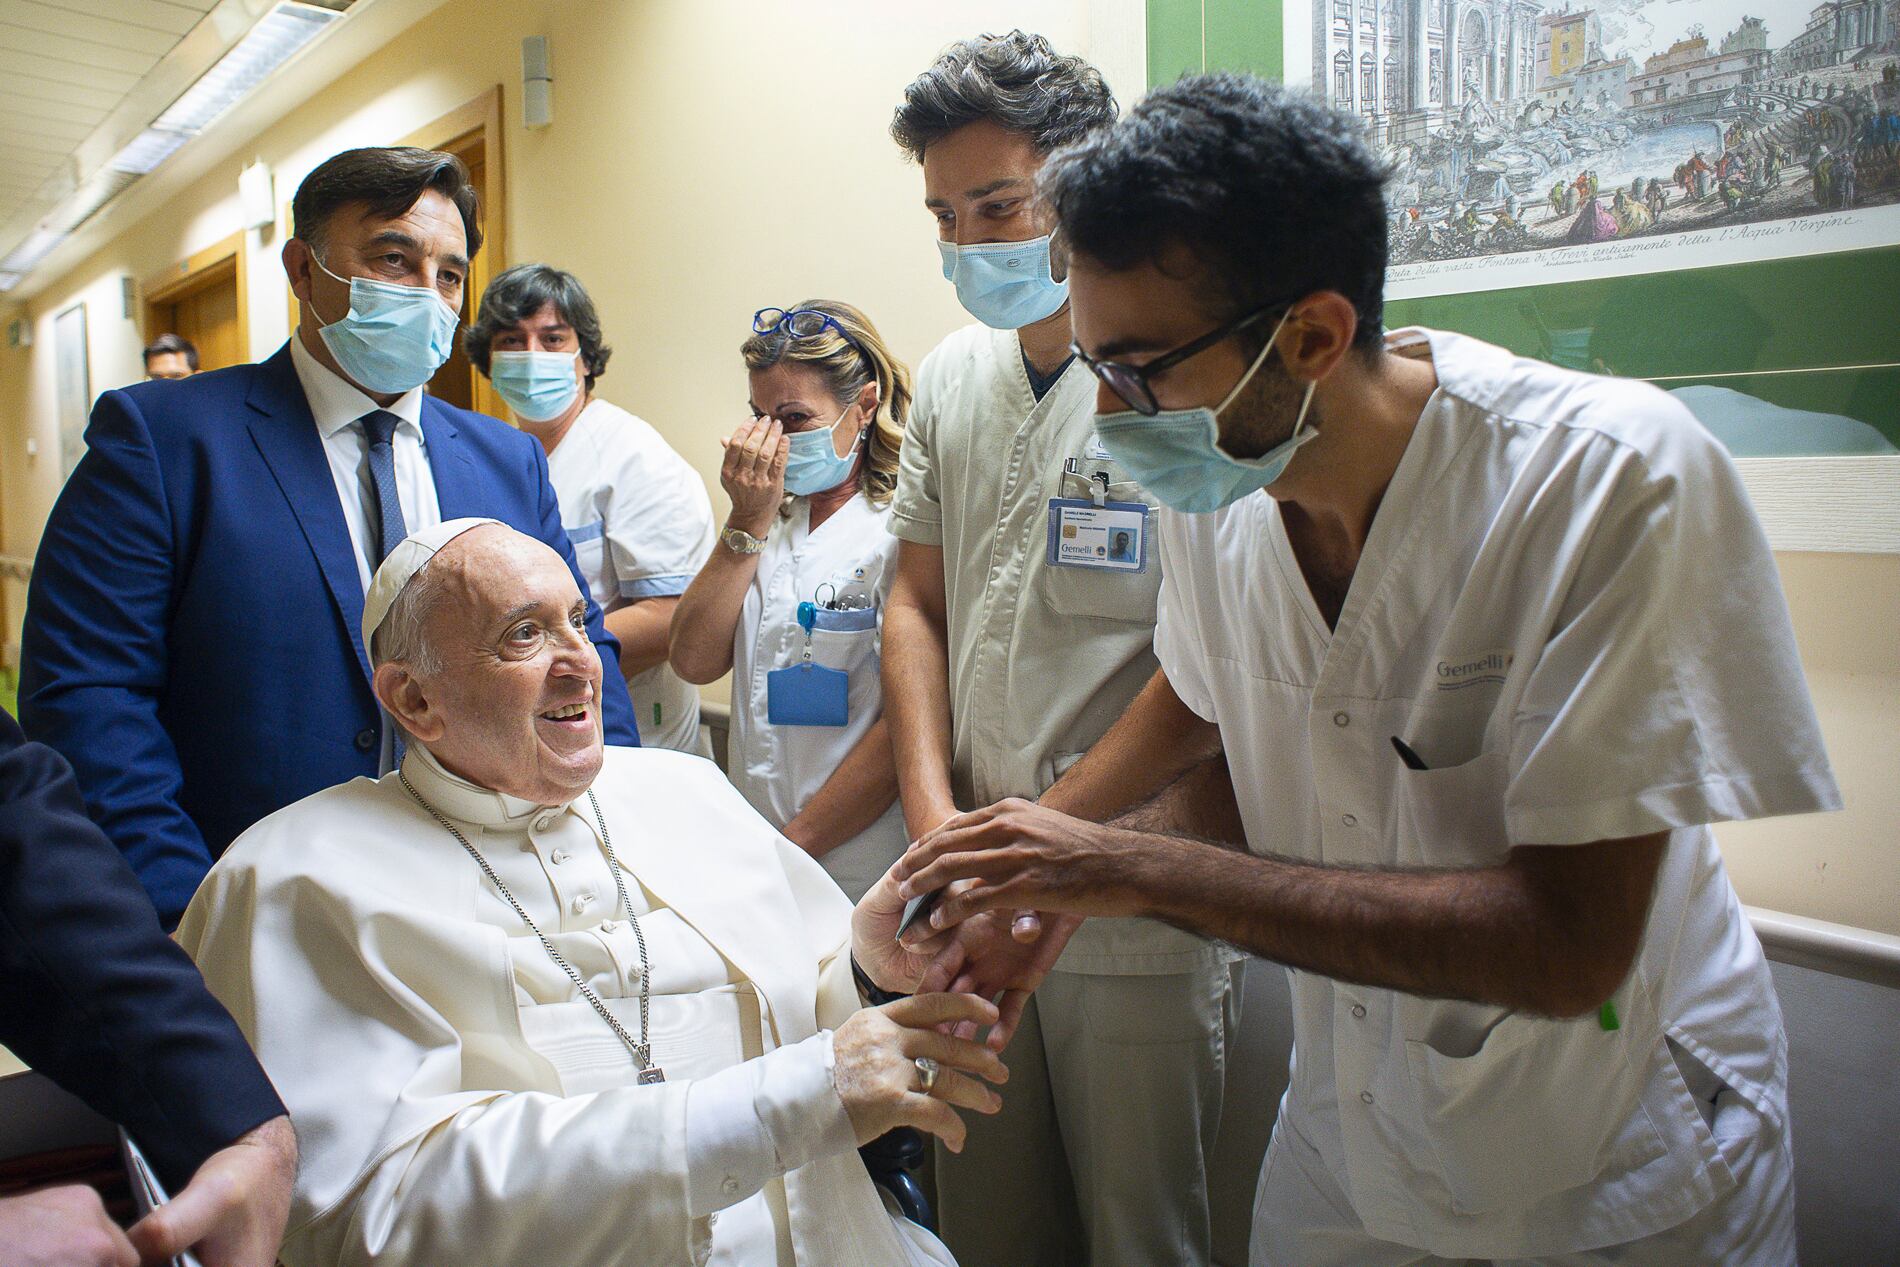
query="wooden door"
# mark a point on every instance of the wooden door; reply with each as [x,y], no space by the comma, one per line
[473,134]
[208,316]
[203,299]
[456,382]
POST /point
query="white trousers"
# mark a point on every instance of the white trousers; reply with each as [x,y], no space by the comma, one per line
[1101,1152]
[1301,1216]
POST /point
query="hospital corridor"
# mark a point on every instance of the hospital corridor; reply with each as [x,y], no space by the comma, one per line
[1017,633]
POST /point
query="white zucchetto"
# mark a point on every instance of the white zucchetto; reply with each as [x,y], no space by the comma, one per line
[404,562]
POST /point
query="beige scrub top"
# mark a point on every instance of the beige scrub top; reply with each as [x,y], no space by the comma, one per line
[1042,659]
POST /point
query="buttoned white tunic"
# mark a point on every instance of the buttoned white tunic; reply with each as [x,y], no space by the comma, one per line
[851,560]
[458,1099]
[1567,608]
[642,526]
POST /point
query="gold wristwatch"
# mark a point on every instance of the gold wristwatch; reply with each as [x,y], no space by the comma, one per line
[739,541]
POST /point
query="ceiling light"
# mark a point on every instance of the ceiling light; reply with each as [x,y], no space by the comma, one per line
[37,246]
[87,200]
[264,48]
[273,40]
[147,150]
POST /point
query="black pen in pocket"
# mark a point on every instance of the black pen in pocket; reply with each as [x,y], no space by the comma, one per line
[1411,759]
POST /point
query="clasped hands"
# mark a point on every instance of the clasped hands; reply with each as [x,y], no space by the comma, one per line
[999,866]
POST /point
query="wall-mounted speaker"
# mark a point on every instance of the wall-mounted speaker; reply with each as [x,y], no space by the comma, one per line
[537,83]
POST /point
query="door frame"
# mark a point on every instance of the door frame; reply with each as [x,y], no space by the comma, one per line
[481,117]
[194,273]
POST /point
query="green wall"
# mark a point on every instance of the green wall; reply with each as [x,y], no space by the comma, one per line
[1819,332]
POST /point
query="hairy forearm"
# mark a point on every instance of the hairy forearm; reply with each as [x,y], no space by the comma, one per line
[643,627]
[699,637]
[1155,740]
[1199,805]
[917,707]
[855,796]
[1497,935]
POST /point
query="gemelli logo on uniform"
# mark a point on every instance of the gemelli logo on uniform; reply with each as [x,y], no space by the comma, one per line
[1485,669]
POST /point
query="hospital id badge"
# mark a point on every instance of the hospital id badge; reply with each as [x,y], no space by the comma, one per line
[807,694]
[1111,537]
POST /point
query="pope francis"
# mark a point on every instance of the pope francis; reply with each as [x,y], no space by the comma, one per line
[533,1000]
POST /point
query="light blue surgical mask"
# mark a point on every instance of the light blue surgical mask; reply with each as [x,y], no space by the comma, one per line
[393,337]
[1005,285]
[538,386]
[813,464]
[1176,454]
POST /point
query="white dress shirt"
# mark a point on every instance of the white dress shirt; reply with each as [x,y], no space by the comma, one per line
[1567,609]
[336,405]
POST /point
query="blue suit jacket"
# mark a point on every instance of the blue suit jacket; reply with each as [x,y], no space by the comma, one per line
[192,641]
[93,995]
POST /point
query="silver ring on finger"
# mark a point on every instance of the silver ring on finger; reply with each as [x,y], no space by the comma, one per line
[927,1071]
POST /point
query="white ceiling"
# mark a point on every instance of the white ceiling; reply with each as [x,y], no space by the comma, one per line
[65,65]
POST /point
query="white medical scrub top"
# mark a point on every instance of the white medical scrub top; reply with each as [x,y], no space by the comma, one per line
[1567,608]
[642,526]
[853,559]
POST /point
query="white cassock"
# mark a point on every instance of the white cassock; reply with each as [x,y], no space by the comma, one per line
[456,1097]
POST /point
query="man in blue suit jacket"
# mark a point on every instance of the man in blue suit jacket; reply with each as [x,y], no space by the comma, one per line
[191,642]
[95,997]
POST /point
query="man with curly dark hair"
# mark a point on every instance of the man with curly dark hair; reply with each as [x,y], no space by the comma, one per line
[1483,646]
[1012,639]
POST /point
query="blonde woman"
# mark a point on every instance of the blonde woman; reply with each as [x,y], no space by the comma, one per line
[792,599]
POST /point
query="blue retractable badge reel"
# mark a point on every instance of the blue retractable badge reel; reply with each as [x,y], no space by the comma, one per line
[807,694]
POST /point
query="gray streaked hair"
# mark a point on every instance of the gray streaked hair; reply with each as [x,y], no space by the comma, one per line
[400,638]
[1016,80]
[517,295]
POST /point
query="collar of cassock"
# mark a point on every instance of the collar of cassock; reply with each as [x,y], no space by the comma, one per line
[467,802]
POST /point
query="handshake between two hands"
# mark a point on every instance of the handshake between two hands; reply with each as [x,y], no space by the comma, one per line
[975,949]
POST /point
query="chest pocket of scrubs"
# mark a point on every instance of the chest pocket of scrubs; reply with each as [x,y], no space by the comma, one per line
[1520,1108]
[844,640]
[1100,593]
[1453,816]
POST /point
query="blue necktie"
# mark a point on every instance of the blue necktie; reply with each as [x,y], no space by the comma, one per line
[380,426]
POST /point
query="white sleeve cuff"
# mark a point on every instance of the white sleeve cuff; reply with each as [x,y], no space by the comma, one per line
[755,1121]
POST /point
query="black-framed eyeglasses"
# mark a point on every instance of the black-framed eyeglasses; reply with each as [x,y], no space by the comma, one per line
[1130,382]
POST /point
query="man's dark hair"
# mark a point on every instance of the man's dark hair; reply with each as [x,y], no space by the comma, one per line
[1274,194]
[388,180]
[1017,80]
[166,344]
[524,290]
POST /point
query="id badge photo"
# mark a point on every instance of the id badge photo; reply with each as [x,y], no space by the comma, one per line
[1108,537]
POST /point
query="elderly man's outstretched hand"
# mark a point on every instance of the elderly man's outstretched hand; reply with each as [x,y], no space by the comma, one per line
[984,956]
[875,1067]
